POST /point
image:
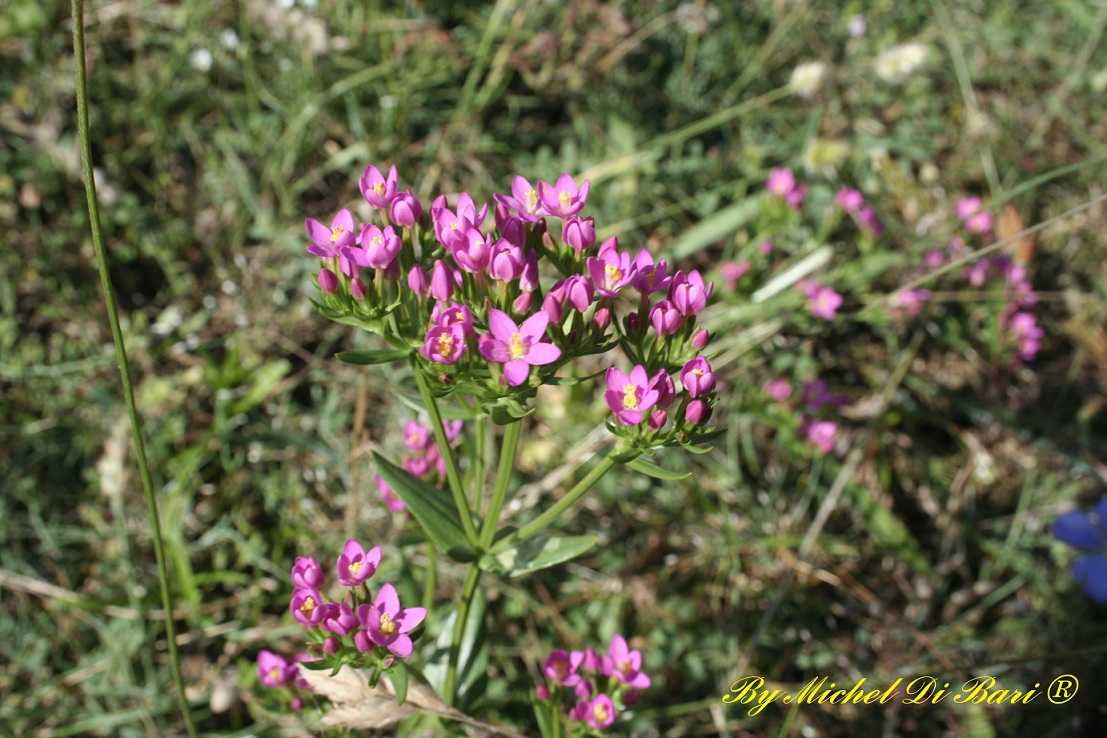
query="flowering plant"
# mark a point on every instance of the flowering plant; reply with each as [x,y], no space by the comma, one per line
[488,303]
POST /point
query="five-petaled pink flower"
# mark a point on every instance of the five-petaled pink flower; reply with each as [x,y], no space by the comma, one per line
[821,434]
[624,664]
[306,606]
[306,572]
[599,713]
[274,671]
[518,348]
[824,302]
[444,344]
[326,242]
[377,190]
[611,270]
[355,564]
[524,200]
[697,377]
[629,397]
[387,624]
[561,667]
[563,199]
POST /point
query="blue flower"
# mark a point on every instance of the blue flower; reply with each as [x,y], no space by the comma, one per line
[1087,532]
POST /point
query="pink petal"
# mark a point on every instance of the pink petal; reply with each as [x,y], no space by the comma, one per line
[388,599]
[541,354]
[401,647]
[493,350]
[501,326]
[516,372]
[534,326]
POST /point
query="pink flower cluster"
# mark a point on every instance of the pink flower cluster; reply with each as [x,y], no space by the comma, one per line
[822,301]
[782,183]
[422,460]
[276,672]
[853,202]
[357,626]
[815,428]
[594,687]
[467,284]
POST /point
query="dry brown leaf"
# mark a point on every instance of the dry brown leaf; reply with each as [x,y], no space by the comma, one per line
[1008,224]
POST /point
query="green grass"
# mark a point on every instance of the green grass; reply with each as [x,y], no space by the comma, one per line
[923,547]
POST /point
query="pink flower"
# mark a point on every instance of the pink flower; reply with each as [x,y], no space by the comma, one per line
[629,397]
[517,347]
[781,182]
[825,303]
[910,301]
[968,206]
[624,664]
[273,671]
[444,344]
[387,623]
[689,293]
[697,378]
[599,713]
[453,314]
[378,191]
[472,252]
[326,242]
[778,389]
[980,223]
[378,248]
[650,276]
[1024,326]
[795,197]
[700,339]
[732,271]
[821,434]
[610,270]
[405,209]
[307,573]
[523,200]
[563,199]
[665,318]
[507,261]
[355,564]
[305,606]
[395,504]
[870,222]
[338,618]
[849,200]
[561,667]
[416,436]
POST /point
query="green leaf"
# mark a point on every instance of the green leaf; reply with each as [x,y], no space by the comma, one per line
[366,358]
[472,664]
[431,507]
[715,227]
[398,675]
[544,716]
[651,469]
[535,554]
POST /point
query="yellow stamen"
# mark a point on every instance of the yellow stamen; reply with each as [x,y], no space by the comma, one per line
[275,674]
[308,607]
[336,232]
[630,401]
[564,198]
[387,626]
[354,567]
[599,711]
[446,346]
[531,197]
[378,188]
[376,240]
[614,274]
[561,669]
[516,349]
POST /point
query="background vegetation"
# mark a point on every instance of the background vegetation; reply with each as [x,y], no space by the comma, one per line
[920,545]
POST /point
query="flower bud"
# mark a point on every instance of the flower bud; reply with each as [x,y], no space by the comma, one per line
[521,306]
[697,412]
[699,339]
[657,420]
[296,704]
[328,280]
[358,289]
[632,323]
[442,281]
[331,646]
[580,233]
[405,209]
[542,692]
[602,319]
[417,280]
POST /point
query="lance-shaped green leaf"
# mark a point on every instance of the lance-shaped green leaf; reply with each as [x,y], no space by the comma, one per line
[430,506]
[651,469]
[534,554]
[367,358]
[398,675]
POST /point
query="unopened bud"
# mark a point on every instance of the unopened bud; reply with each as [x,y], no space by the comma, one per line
[697,412]
[331,646]
[328,280]
[699,339]
[357,289]
[602,319]
[657,420]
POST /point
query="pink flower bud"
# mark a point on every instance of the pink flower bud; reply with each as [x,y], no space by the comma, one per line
[328,280]
[700,338]
[542,692]
[405,209]
[602,319]
[657,420]
[357,289]
[765,248]
[442,281]
[696,412]
[296,704]
[521,306]
[331,646]
[580,233]
[417,280]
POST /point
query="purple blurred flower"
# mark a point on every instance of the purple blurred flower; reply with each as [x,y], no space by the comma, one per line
[395,504]
[561,667]
[778,389]
[781,182]
[599,713]
[821,434]
[1028,335]
[870,221]
[824,303]
[1087,532]
[732,271]
[849,200]
[274,671]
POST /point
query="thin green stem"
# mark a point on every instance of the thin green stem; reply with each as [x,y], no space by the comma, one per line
[430,575]
[481,433]
[503,478]
[452,474]
[121,359]
[467,592]
[544,520]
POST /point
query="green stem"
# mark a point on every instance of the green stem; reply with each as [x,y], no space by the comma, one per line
[481,432]
[544,520]
[503,477]
[430,575]
[452,474]
[121,359]
[467,592]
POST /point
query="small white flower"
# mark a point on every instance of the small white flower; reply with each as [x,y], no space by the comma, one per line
[899,62]
[200,60]
[229,39]
[808,77]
